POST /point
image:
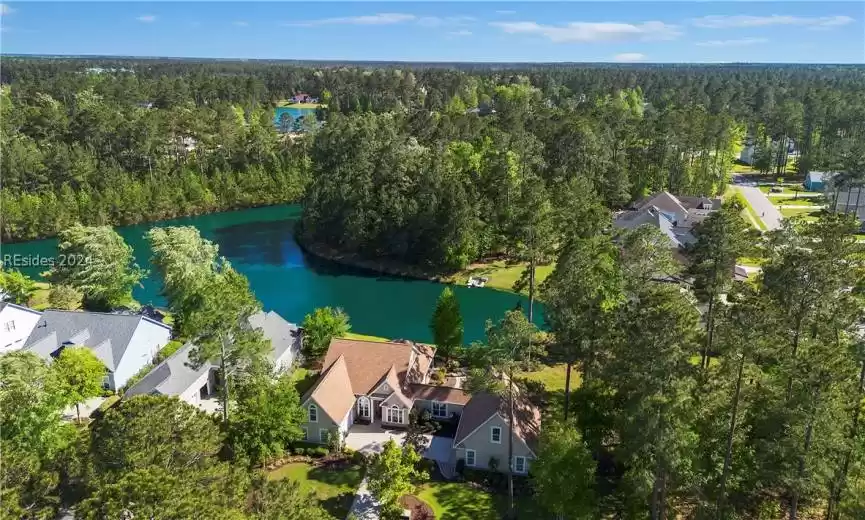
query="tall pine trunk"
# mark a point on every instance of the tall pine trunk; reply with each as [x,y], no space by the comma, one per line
[511,510]
[840,482]
[809,434]
[728,456]
[568,388]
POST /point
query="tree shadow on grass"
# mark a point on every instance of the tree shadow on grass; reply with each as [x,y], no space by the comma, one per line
[338,505]
[348,476]
[463,503]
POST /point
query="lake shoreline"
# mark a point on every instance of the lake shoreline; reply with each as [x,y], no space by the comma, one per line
[392,268]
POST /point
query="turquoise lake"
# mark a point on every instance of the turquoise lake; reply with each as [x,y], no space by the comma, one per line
[260,243]
[294,112]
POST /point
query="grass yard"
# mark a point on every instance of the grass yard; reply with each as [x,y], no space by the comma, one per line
[364,337]
[459,501]
[501,274]
[334,488]
[39,298]
[785,189]
[799,212]
[801,201]
[285,103]
[553,377]
[751,261]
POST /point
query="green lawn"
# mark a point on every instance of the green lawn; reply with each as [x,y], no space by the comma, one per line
[501,274]
[797,212]
[364,337]
[334,488]
[785,189]
[303,379]
[553,377]
[801,201]
[751,261]
[39,298]
[285,103]
[460,501]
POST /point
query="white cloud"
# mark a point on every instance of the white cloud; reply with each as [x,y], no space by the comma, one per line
[373,19]
[436,21]
[627,57]
[5,9]
[740,21]
[241,23]
[741,42]
[146,18]
[594,31]
[463,32]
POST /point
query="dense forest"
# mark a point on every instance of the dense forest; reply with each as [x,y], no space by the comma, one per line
[120,141]
[687,393]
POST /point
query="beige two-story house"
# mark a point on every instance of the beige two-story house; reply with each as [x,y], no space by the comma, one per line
[372,383]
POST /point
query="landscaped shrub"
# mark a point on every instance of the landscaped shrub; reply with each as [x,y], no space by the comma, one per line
[358,458]
[493,464]
[299,451]
[319,452]
[461,467]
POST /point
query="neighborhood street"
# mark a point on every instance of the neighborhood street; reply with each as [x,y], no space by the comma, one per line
[764,209]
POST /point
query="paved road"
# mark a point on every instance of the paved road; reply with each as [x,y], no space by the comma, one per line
[762,206]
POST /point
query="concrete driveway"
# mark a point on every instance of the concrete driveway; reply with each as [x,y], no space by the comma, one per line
[370,438]
[763,207]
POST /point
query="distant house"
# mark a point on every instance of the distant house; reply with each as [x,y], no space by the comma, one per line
[302,97]
[124,343]
[377,385]
[178,376]
[815,181]
[674,216]
[16,324]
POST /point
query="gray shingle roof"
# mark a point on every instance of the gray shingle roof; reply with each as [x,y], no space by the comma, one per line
[282,334]
[173,376]
[108,335]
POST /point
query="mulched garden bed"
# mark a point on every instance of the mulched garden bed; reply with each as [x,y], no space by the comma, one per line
[419,509]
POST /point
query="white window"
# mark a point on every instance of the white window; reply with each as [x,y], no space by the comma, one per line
[305,433]
[470,458]
[10,326]
[323,434]
[395,414]
[439,409]
[519,464]
[313,413]
[363,407]
[496,435]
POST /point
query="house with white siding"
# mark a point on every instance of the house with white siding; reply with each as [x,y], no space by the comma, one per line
[16,324]
[124,343]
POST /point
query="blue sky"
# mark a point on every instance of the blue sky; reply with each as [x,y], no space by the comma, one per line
[812,32]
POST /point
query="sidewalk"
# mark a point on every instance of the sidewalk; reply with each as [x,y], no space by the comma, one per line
[364,506]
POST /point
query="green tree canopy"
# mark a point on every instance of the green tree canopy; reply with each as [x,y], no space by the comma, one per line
[564,473]
[98,263]
[80,375]
[447,324]
[17,285]
[392,474]
[320,327]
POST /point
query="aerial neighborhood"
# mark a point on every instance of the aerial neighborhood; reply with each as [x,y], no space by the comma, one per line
[535,264]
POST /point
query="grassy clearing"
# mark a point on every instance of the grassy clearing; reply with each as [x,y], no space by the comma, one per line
[502,275]
[799,212]
[553,377]
[751,261]
[364,337]
[285,103]
[801,201]
[39,298]
[333,487]
[460,501]
[786,189]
